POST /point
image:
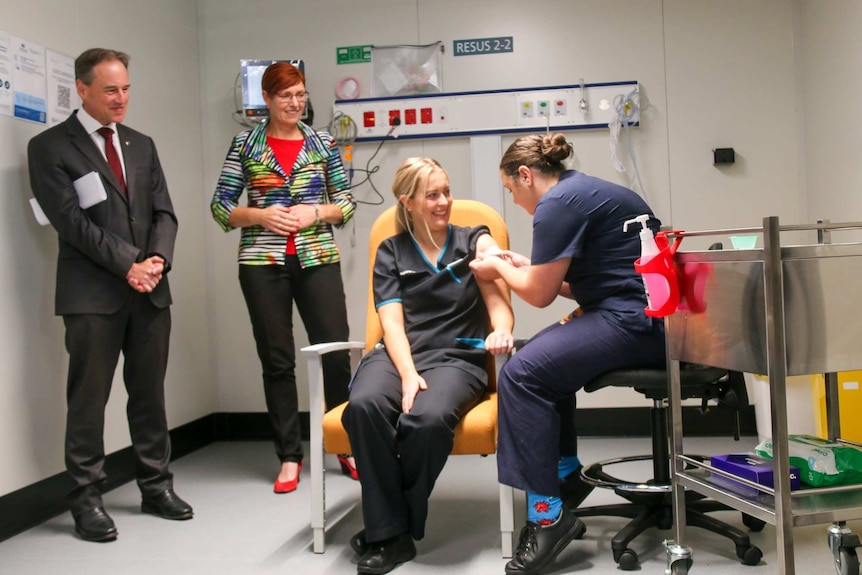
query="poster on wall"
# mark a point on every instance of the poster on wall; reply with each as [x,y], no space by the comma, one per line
[28,80]
[5,76]
[62,94]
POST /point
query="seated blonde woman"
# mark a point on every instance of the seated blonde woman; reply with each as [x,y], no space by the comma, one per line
[411,391]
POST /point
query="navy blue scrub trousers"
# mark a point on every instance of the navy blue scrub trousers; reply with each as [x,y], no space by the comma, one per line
[536,392]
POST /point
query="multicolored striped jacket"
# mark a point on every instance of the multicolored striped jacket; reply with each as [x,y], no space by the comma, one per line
[317,177]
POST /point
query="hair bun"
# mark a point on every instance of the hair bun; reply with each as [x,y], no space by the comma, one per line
[555,147]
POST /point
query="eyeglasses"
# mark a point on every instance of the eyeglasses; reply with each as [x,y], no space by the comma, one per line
[300,97]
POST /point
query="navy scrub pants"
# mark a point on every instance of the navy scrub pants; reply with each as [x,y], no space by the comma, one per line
[399,456]
[536,392]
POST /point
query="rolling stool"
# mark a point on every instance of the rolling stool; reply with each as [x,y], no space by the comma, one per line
[650,504]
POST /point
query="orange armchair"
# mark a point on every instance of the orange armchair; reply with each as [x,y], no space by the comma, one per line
[476,434]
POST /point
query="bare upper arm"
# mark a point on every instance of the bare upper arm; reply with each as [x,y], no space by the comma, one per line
[485,243]
[391,316]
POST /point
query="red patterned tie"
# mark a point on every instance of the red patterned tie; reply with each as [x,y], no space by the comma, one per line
[113,157]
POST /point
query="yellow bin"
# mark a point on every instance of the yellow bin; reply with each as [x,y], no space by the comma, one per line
[849,403]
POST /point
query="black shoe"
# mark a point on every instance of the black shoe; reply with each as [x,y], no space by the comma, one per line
[358,543]
[538,545]
[573,489]
[383,556]
[167,504]
[95,525]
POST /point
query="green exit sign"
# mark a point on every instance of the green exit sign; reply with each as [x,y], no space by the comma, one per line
[353,54]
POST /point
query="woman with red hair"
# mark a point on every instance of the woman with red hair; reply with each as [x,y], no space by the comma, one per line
[297,190]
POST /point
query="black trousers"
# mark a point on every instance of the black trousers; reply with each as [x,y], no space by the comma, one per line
[318,291]
[399,456]
[141,332]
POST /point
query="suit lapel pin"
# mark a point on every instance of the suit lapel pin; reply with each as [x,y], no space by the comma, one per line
[126,142]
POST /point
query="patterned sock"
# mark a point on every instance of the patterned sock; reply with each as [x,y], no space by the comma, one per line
[567,466]
[544,509]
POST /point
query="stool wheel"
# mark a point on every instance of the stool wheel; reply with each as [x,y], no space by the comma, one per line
[750,555]
[628,560]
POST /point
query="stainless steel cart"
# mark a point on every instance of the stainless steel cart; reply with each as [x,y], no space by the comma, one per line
[780,311]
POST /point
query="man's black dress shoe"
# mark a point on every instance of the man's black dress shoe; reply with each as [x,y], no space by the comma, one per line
[358,543]
[573,489]
[383,556]
[538,545]
[167,504]
[95,525]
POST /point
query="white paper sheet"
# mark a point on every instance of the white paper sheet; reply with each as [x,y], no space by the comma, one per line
[37,211]
[90,190]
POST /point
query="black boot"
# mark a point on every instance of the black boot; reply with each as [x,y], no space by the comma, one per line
[384,556]
[538,545]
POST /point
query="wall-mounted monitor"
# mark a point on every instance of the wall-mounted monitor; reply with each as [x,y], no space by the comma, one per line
[251,72]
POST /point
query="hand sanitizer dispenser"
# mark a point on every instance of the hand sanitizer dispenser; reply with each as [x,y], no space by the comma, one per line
[657,270]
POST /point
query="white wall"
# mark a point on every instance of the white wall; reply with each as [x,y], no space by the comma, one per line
[731,83]
[773,79]
[548,51]
[832,50]
[161,36]
[700,63]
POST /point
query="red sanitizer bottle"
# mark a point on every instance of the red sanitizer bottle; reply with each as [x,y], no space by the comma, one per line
[657,270]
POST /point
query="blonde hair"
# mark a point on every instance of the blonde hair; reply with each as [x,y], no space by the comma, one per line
[411,178]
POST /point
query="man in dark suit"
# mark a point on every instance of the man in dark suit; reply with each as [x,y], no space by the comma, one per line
[112,286]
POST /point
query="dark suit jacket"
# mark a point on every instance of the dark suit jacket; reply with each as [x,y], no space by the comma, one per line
[99,245]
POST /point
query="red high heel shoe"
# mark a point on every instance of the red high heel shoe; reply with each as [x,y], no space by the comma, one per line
[288,486]
[346,468]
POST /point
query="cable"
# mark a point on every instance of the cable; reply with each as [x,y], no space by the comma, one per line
[370,171]
[343,128]
[627,108]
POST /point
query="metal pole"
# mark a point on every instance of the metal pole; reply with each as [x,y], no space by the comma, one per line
[773,283]
[676,448]
[833,414]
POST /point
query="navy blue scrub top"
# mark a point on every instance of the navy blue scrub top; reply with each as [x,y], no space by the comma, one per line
[582,217]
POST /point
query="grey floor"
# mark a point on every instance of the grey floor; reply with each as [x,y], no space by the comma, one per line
[241,527]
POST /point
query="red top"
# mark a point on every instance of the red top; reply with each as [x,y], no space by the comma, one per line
[286,152]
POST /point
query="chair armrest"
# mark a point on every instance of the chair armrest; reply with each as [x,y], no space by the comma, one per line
[319,349]
[313,355]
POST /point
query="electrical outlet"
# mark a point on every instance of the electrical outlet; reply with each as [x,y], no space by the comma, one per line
[561,107]
[544,108]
